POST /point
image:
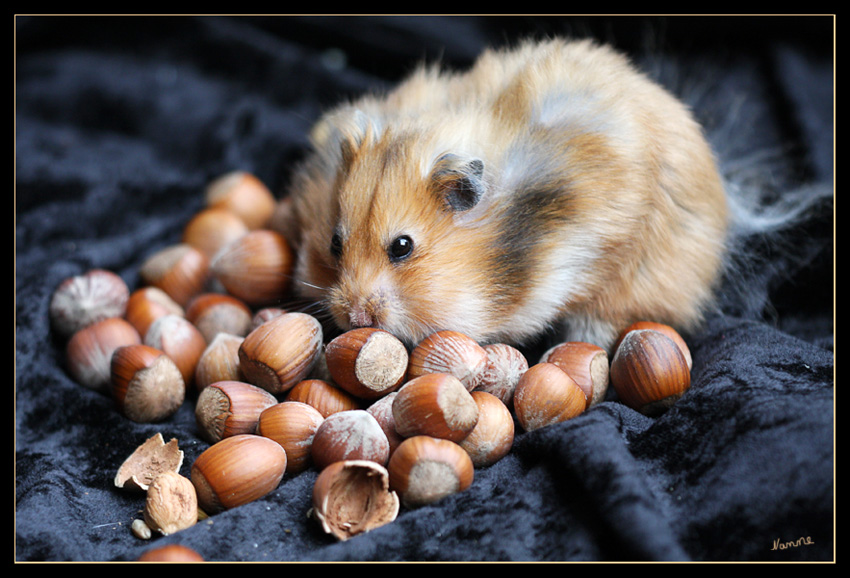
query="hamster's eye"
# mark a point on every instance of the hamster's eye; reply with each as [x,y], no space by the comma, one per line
[336,245]
[400,248]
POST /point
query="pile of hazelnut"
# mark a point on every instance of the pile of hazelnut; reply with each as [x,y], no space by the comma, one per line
[386,427]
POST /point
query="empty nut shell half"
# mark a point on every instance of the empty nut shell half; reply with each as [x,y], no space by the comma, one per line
[352,497]
[148,461]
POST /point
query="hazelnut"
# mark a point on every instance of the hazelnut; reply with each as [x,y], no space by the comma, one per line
[649,372]
[180,340]
[437,405]
[88,353]
[171,504]
[546,395]
[449,352]
[352,497]
[213,228]
[219,361]
[147,386]
[179,270]
[243,194]
[171,553]
[324,396]
[493,435]
[147,304]
[424,470]
[666,330]
[264,314]
[586,363]
[293,425]
[505,365]
[349,435]
[148,461]
[256,267]
[84,299]
[367,362]
[237,470]
[214,313]
[228,408]
[281,352]
[382,410]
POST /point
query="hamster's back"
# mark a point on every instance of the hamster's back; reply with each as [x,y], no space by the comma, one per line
[599,201]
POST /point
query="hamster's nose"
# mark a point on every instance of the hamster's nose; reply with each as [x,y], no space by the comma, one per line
[359,317]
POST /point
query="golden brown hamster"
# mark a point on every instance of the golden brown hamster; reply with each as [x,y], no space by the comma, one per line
[552,182]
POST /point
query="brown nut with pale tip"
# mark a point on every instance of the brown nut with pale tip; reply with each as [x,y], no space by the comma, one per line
[243,194]
[171,504]
[212,229]
[382,410]
[293,425]
[256,268]
[546,395]
[180,340]
[437,405]
[180,270]
[586,363]
[493,435]
[424,470]
[281,352]
[662,328]
[349,435]
[214,313]
[219,361]
[82,300]
[237,470]
[148,461]
[147,385]
[147,304]
[229,408]
[505,365]
[449,352]
[352,497]
[264,314]
[324,396]
[171,553]
[367,362]
[88,354]
[649,372]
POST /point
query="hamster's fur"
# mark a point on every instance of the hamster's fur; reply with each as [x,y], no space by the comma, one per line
[551,183]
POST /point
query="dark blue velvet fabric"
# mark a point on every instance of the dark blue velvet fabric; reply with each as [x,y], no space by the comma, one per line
[120,122]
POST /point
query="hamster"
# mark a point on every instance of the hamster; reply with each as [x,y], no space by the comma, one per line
[550,185]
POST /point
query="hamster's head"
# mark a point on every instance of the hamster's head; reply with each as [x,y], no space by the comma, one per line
[392,236]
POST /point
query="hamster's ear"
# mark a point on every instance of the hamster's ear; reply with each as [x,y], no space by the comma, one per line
[345,131]
[458,181]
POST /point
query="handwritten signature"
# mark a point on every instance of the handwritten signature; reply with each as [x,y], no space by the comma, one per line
[802,541]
